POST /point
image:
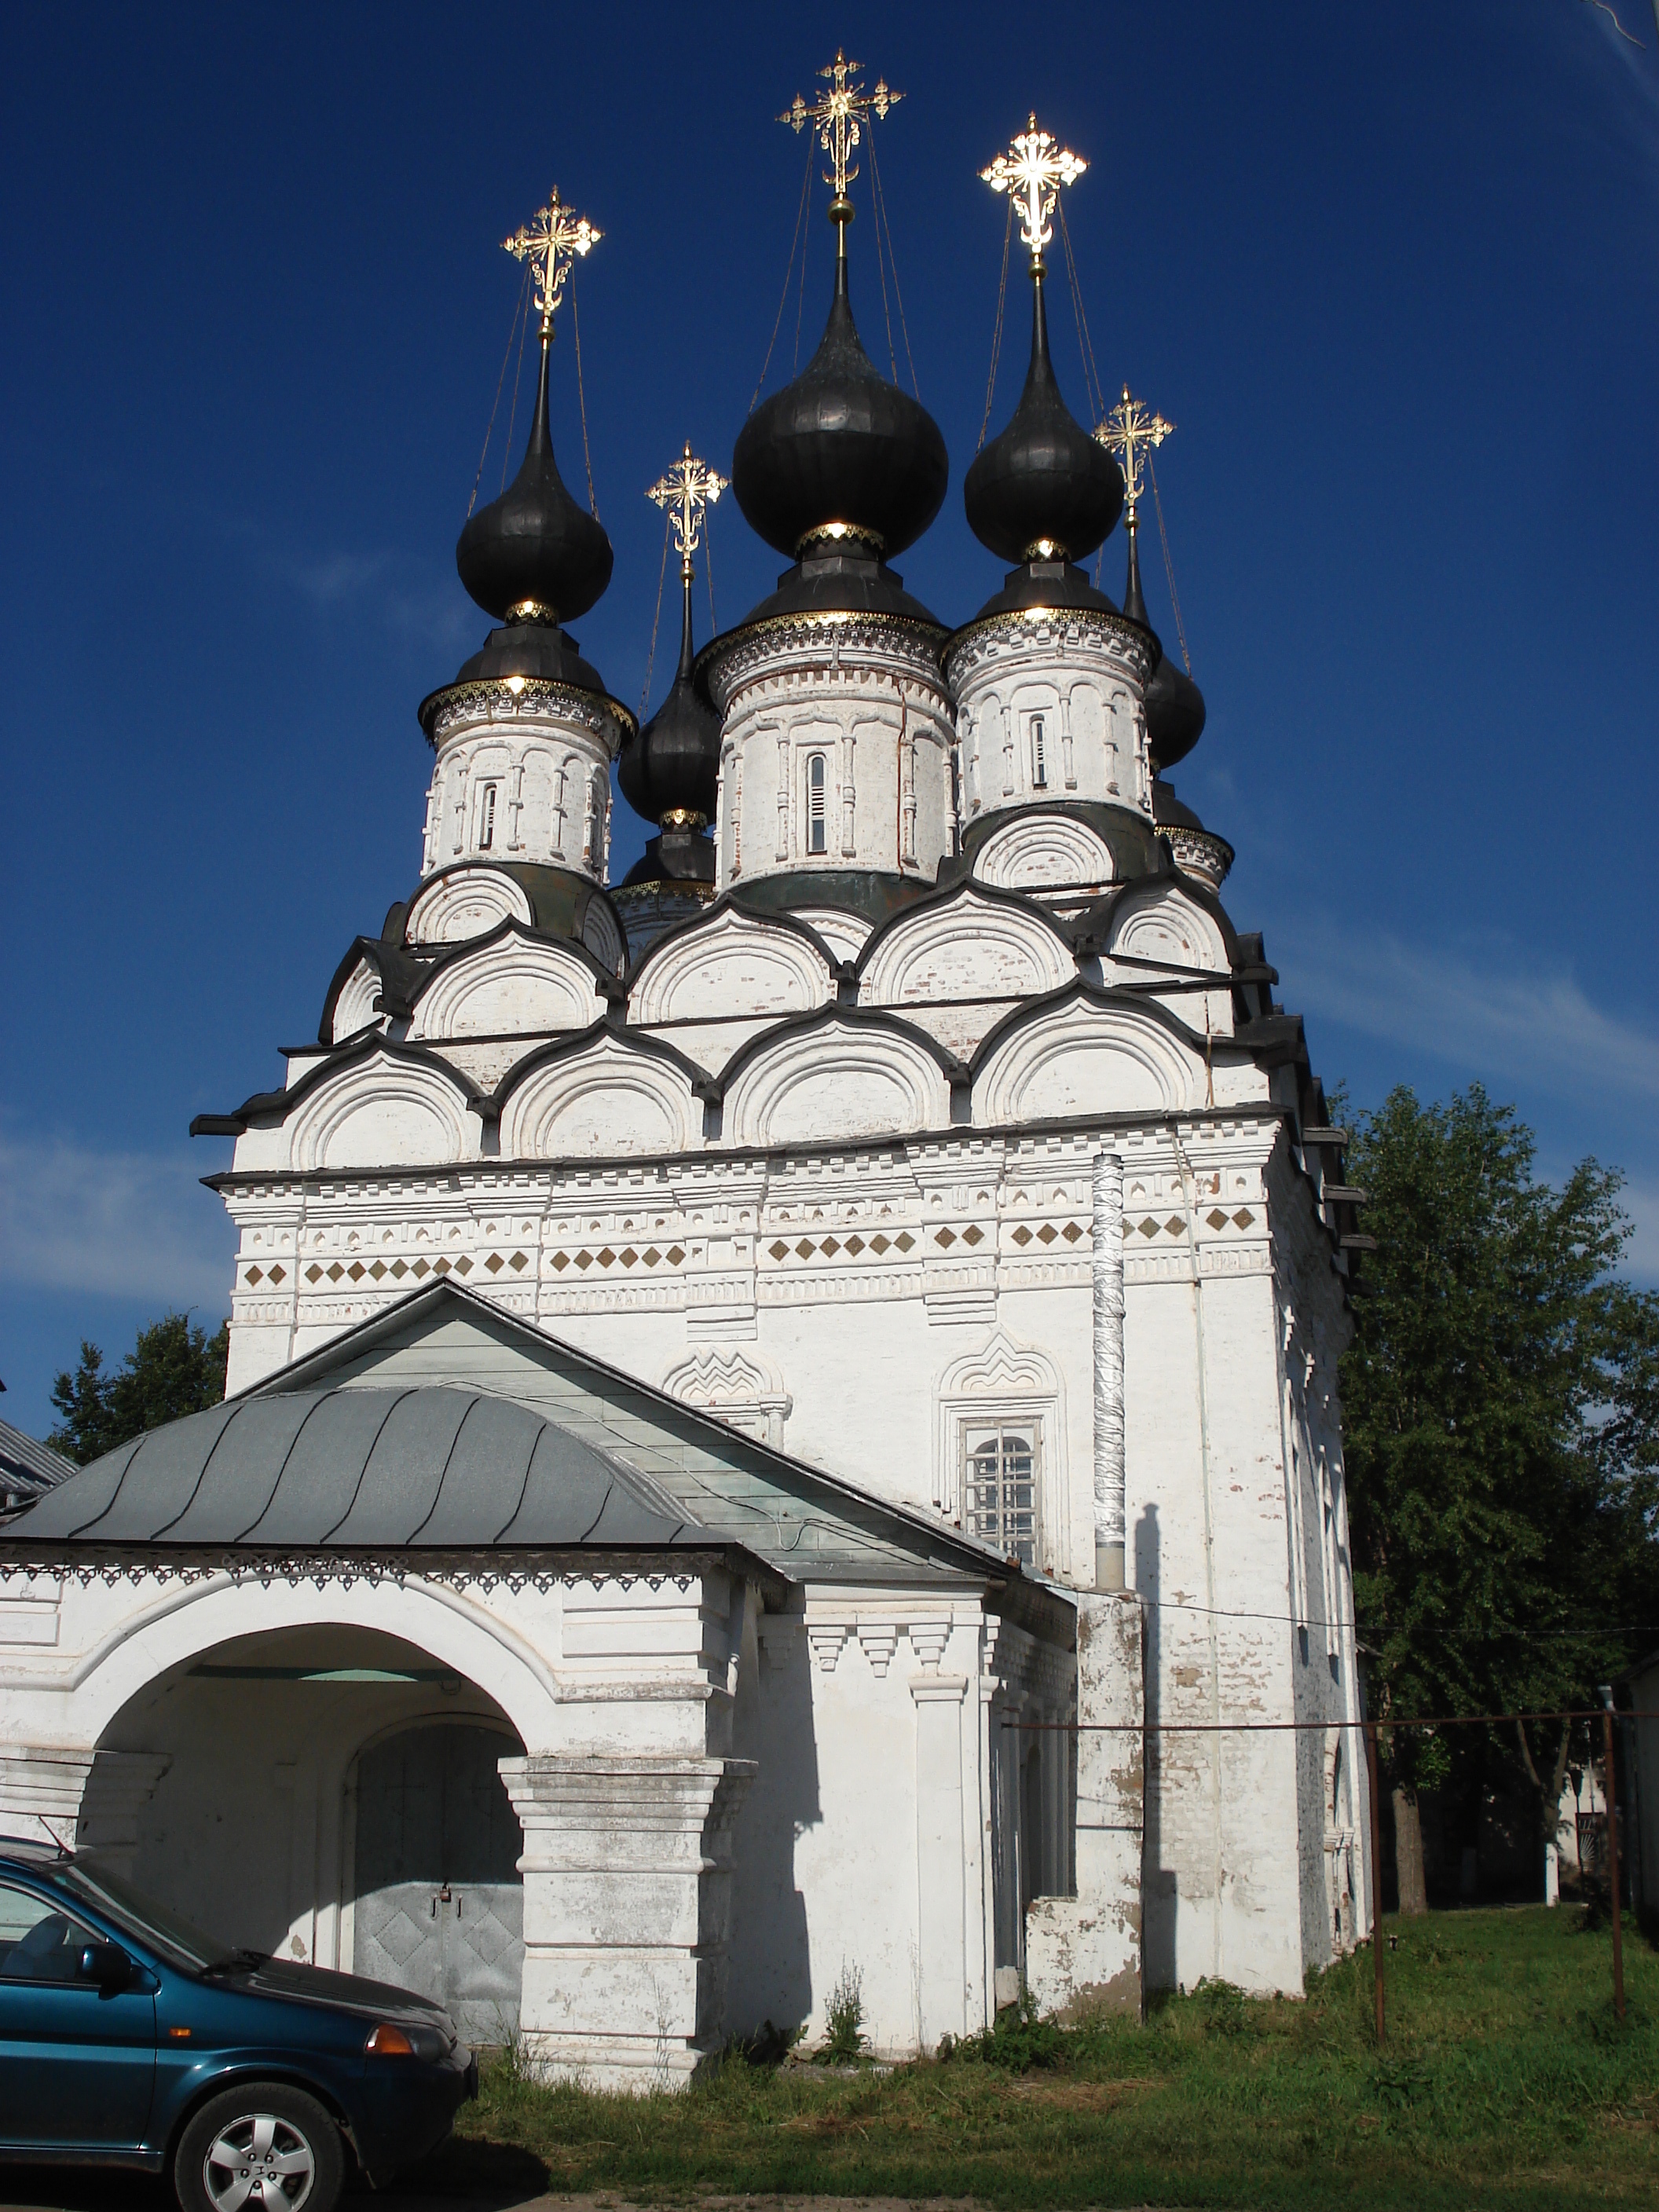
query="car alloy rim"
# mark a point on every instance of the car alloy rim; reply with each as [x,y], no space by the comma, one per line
[259,2159]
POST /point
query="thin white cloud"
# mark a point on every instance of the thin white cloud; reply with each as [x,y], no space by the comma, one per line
[332,577]
[1491,1016]
[407,599]
[412,598]
[126,1224]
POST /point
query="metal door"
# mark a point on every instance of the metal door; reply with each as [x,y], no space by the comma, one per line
[439,1900]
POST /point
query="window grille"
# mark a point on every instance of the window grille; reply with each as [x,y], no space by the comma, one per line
[486,818]
[815,822]
[999,1488]
[1039,764]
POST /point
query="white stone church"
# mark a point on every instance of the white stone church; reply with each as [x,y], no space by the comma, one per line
[749,1388]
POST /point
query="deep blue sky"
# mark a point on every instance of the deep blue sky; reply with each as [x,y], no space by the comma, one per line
[1391,271]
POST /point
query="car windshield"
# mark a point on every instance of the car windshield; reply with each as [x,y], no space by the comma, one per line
[163,1929]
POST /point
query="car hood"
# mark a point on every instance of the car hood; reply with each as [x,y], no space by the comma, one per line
[289,1977]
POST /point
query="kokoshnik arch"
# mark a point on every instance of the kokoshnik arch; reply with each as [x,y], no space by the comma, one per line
[713,1356]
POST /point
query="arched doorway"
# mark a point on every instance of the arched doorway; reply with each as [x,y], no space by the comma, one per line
[438,1898]
[268,1757]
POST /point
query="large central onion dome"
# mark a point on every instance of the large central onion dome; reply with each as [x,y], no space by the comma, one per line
[533,555]
[1044,491]
[840,452]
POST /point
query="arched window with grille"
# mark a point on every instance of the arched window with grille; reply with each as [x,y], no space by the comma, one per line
[816,774]
[487,817]
[1039,756]
[1000,1487]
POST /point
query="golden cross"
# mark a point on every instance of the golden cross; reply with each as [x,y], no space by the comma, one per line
[1031,173]
[1128,431]
[685,493]
[836,114]
[551,237]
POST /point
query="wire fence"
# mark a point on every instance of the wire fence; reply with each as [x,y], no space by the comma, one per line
[1605,1713]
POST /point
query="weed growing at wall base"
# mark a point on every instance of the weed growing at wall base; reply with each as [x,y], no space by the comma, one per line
[1504,2084]
[844,2016]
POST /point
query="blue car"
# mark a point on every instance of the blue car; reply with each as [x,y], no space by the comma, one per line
[128,2038]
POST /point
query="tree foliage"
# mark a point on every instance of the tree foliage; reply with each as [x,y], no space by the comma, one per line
[1501,1422]
[175,1367]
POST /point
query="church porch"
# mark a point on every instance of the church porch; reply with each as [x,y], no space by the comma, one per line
[333,1785]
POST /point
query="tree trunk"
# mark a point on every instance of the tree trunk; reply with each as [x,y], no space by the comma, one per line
[1408,1853]
[1549,1799]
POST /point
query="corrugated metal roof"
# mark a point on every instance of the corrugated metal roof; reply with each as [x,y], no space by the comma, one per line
[358,1466]
[28,1468]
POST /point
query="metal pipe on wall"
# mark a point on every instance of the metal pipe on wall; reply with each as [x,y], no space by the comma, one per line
[1110,1512]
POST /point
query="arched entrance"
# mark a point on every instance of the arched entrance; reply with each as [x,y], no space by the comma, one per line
[439,1901]
[314,1789]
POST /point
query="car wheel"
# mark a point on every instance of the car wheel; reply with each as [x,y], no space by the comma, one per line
[261,2148]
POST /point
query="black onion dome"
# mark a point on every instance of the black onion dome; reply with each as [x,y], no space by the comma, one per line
[1175,704]
[534,548]
[1174,715]
[1168,812]
[670,768]
[841,445]
[1045,489]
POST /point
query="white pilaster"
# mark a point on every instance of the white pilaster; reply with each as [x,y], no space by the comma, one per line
[627,1912]
[940,1862]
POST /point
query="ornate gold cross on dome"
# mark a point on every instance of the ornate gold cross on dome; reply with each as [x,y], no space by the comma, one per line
[551,237]
[1031,173]
[1128,431]
[685,493]
[836,115]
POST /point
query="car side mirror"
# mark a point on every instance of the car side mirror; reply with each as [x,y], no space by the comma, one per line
[106,1964]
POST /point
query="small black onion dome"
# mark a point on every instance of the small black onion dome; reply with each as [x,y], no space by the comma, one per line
[1044,489]
[1170,812]
[534,548]
[1174,715]
[671,767]
[841,445]
[1175,704]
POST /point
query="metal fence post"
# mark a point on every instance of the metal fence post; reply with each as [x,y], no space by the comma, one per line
[1377,1874]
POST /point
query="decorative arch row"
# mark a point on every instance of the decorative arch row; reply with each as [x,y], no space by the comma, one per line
[841,1073]
[969,946]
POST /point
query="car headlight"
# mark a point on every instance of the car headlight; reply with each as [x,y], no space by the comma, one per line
[389,2040]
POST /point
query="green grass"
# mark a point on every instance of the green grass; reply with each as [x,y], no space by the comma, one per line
[1505,2082]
